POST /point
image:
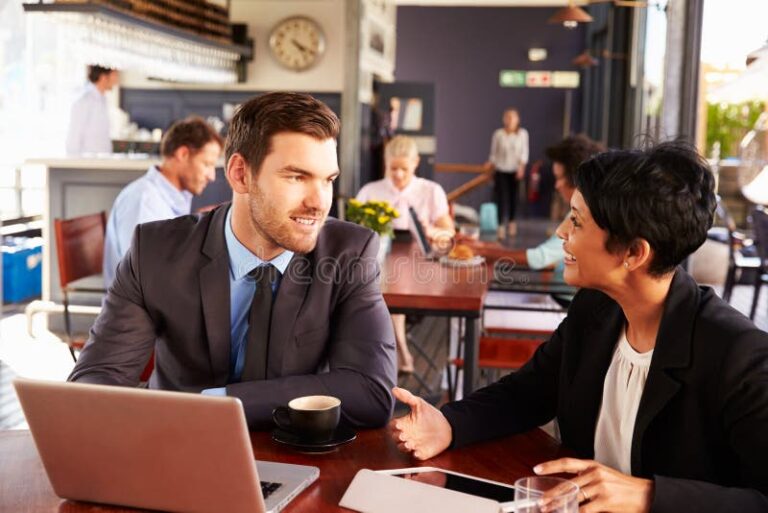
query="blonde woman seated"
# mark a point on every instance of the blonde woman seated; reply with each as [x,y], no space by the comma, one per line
[402,189]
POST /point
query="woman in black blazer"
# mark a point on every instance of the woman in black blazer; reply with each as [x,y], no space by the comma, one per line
[658,386]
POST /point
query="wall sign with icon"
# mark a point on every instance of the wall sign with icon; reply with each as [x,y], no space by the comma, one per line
[556,79]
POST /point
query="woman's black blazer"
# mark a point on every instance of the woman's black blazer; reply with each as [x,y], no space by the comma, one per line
[702,426]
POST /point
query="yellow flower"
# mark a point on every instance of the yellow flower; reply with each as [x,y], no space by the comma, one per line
[394,213]
[384,219]
[354,202]
[369,211]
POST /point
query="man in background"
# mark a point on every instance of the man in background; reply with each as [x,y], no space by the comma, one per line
[190,150]
[89,119]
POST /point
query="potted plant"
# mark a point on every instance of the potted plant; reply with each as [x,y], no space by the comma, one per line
[376,215]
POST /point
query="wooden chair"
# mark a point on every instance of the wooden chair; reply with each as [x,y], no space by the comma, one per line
[500,349]
[80,251]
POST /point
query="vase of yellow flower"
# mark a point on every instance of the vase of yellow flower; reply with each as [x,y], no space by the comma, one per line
[376,215]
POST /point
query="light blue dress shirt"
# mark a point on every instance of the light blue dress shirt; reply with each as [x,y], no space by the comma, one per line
[149,198]
[547,253]
[241,290]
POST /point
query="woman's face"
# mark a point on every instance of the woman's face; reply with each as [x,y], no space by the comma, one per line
[511,120]
[562,185]
[400,170]
[587,262]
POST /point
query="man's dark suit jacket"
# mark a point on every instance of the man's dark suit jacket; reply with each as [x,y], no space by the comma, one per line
[331,332]
[702,426]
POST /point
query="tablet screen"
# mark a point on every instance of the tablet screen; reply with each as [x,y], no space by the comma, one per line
[463,484]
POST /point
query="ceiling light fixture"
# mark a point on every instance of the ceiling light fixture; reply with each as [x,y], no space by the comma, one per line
[570,16]
[585,60]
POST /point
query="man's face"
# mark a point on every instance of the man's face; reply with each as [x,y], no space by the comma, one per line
[401,170]
[111,79]
[199,169]
[291,195]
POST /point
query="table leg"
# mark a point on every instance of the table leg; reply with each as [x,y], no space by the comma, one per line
[471,341]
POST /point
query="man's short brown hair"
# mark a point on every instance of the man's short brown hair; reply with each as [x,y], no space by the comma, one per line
[258,119]
[193,132]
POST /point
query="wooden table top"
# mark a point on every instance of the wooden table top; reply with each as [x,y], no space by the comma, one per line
[410,281]
[24,486]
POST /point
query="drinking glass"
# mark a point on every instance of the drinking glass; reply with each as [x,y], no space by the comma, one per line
[470,231]
[545,494]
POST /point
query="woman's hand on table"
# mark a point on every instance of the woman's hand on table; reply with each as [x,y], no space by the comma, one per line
[602,489]
[424,432]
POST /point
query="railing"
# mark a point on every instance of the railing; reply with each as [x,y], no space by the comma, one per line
[485,175]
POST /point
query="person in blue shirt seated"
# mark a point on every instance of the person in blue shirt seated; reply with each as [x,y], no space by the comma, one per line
[190,149]
[566,157]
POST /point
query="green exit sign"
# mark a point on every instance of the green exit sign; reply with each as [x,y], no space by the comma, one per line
[511,78]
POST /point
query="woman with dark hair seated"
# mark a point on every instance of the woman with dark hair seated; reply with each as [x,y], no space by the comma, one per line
[660,388]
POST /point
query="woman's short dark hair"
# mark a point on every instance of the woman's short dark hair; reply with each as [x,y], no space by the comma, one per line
[193,132]
[258,119]
[571,152]
[95,72]
[664,194]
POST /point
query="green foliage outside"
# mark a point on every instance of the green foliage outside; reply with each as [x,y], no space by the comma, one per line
[728,123]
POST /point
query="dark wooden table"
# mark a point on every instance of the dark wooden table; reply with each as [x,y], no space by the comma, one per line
[24,486]
[412,284]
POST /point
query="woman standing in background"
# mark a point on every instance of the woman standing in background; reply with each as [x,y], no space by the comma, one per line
[508,157]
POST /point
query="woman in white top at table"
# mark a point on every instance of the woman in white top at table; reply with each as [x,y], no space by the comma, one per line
[403,189]
[660,388]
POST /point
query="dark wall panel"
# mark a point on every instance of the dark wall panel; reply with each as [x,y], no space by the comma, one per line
[462,50]
[158,108]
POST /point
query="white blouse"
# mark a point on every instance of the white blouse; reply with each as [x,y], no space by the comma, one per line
[509,150]
[622,390]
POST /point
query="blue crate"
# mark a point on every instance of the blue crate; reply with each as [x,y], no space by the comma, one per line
[22,268]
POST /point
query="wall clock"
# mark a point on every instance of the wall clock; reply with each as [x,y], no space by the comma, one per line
[297,42]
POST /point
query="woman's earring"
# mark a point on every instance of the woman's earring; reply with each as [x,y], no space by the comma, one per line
[626,265]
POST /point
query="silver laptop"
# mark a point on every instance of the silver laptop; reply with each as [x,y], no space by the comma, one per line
[156,450]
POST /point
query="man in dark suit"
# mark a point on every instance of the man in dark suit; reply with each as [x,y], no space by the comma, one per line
[263,299]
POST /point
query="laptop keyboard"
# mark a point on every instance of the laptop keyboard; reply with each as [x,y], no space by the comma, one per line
[268,488]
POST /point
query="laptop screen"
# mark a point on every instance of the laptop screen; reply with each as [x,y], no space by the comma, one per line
[421,233]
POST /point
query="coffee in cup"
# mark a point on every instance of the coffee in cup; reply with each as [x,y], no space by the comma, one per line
[313,418]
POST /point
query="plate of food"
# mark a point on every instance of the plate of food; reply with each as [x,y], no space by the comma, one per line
[462,256]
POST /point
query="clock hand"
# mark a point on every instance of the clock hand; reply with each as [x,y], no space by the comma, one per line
[301,47]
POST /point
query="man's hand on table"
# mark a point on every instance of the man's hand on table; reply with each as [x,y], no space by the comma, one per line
[424,432]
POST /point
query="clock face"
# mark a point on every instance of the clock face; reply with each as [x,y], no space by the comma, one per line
[297,42]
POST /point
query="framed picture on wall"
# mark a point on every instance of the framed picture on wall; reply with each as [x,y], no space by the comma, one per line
[377,53]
